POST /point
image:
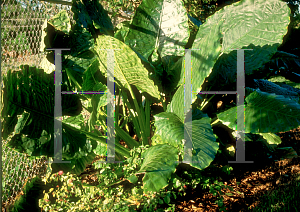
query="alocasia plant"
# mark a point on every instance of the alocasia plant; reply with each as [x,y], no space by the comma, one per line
[151,60]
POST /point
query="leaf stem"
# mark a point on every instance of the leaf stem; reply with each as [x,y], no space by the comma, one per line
[139,115]
[73,79]
[205,102]
[102,139]
[164,103]
[215,122]
[118,147]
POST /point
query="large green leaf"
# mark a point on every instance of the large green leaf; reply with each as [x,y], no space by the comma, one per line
[264,113]
[91,15]
[259,25]
[28,109]
[177,104]
[61,22]
[206,50]
[74,67]
[123,29]
[81,40]
[159,25]
[158,165]
[32,90]
[54,31]
[256,22]
[128,67]
[171,129]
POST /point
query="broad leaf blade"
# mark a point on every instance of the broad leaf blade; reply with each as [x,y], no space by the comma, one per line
[159,163]
[260,26]
[159,25]
[265,113]
[54,30]
[128,67]
[206,50]
[61,22]
[28,108]
[171,129]
[177,104]
[90,14]
[255,22]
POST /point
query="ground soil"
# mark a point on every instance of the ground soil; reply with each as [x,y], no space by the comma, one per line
[254,182]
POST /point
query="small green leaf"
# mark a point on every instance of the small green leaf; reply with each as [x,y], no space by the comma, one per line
[174,195]
[133,179]
[167,199]
[220,203]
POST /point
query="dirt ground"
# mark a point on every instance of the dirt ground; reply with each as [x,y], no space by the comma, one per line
[254,181]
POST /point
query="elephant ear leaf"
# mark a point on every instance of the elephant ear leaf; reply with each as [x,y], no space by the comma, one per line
[271,140]
[264,113]
[158,165]
[28,109]
[260,29]
[55,31]
[91,15]
[61,22]
[160,26]
[128,67]
[172,128]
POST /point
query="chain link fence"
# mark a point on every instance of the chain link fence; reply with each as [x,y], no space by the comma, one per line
[21,31]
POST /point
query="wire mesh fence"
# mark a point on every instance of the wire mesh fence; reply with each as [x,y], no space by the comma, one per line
[21,32]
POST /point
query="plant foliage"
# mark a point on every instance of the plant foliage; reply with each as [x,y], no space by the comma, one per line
[149,59]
